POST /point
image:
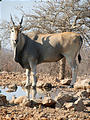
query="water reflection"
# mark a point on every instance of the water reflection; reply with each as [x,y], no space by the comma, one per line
[34,93]
[31,93]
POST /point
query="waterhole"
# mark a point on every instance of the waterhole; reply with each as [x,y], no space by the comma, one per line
[30,92]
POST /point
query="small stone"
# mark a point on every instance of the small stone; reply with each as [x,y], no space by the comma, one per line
[10,90]
[48,86]
[43,118]
[82,84]
[13,86]
[88,90]
[58,105]
[82,93]
[69,105]
[3,100]
[19,99]
[26,103]
[20,116]
[8,117]
[85,94]
[48,101]
[65,82]
[86,102]
[79,105]
[40,84]
[63,97]
[57,80]
[23,83]
[12,100]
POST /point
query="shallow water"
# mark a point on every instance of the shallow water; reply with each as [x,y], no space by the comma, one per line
[30,93]
[17,93]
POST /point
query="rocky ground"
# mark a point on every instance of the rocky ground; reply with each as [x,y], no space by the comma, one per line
[68,104]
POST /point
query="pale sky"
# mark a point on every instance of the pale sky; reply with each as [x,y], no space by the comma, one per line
[8,7]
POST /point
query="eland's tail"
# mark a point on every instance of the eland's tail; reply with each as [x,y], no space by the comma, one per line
[79,56]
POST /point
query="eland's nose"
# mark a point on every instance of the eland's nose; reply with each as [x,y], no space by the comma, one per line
[16,41]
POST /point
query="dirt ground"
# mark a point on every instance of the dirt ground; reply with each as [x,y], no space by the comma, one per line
[17,112]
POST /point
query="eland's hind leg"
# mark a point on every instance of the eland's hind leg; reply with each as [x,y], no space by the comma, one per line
[74,72]
[73,65]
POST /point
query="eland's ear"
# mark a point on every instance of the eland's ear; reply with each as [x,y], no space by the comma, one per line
[12,20]
[21,28]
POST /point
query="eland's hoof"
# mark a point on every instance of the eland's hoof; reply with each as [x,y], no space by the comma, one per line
[71,86]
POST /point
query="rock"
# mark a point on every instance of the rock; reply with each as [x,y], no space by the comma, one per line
[26,103]
[23,83]
[65,82]
[86,102]
[8,117]
[3,100]
[63,97]
[88,90]
[82,84]
[40,84]
[83,93]
[48,85]
[12,100]
[10,90]
[38,101]
[4,72]
[13,86]
[79,105]
[58,105]
[57,80]
[48,102]
[69,105]
[19,99]
[43,118]
[30,103]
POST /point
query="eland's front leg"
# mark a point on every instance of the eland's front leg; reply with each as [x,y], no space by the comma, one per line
[28,78]
[33,75]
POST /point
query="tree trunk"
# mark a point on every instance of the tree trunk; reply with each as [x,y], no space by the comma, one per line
[62,68]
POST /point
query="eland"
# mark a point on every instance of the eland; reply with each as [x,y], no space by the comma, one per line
[29,51]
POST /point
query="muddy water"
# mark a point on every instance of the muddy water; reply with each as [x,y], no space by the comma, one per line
[30,93]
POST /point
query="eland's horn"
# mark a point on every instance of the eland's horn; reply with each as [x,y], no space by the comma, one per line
[21,21]
[12,20]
